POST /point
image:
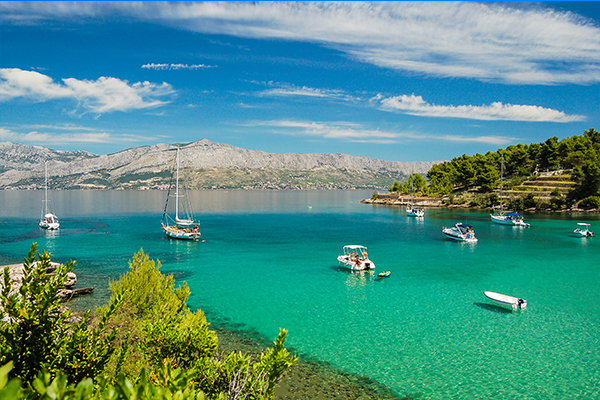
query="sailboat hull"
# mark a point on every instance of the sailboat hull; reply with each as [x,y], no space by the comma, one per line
[178,233]
[412,212]
[501,219]
[49,225]
[506,220]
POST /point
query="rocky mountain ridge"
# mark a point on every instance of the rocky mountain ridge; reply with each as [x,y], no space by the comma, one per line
[206,164]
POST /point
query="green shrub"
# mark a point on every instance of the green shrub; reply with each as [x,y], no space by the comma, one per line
[515,203]
[590,202]
[556,203]
[556,192]
[529,201]
[40,334]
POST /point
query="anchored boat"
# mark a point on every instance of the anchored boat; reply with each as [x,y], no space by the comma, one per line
[584,230]
[506,218]
[48,220]
[355,257]
[503,300]
[177,228]
[461,232]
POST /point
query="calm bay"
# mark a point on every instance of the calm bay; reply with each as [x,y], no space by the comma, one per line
[269,261]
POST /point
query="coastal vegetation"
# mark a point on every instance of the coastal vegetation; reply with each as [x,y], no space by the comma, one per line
[547,175]
[144,343]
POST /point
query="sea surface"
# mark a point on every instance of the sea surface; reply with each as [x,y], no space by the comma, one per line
[269,262]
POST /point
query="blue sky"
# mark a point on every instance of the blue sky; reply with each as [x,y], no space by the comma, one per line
[398,81]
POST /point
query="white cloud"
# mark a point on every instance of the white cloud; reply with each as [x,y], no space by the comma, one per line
[515,43]
[281,90]
[51,135]
[176,66]
[105,94]
[415,105]
[356,133]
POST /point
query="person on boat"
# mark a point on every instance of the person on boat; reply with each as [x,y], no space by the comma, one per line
[365,255]
[196,229]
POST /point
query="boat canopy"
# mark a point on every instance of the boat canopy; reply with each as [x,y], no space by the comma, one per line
[463,225]
[583,223]
[513,214]
[354,247]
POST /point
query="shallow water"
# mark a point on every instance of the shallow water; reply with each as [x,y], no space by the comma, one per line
[269,261]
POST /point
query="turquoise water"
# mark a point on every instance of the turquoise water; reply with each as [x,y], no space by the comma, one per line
[269,261]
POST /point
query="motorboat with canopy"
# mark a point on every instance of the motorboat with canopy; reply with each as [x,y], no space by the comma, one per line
[355,257]
[583,230]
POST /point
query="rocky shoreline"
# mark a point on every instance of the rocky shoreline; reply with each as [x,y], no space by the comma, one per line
[395,200]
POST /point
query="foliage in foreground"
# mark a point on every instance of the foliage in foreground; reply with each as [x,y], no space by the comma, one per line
[39,334]
[147,344]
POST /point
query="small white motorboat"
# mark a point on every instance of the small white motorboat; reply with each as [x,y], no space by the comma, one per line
[584,230]
[461,232]
[503,300]
[356,258]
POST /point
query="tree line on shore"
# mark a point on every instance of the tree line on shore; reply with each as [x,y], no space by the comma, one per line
[145,343]
[480,173]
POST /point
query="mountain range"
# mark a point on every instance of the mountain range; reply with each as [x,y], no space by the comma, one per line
[204,164]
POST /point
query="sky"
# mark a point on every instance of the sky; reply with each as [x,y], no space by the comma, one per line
[397,81]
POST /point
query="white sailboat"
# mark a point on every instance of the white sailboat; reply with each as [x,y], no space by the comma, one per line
[506,218]
[47,220]
[413,211]
[177,228]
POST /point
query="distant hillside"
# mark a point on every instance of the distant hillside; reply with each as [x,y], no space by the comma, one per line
[205,164]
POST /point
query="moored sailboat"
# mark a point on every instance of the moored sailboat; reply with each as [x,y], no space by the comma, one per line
[506,218]
[47,220]
[177,228]
[413,211]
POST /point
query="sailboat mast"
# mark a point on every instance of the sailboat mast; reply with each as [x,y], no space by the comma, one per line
[411,190]
[45,187]
[501,178]
[177,188]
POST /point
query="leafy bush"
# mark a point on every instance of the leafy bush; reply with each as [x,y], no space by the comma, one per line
[170,383]
[515,203]
[40,334]
[590,202]
[556,203]
[165,350]
[161,327]
[529,201]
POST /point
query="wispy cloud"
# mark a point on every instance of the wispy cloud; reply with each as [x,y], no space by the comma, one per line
[415,105]
[282,90]
[103,95]
[52,135]
[357,133]
[176,66]
[518,43]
